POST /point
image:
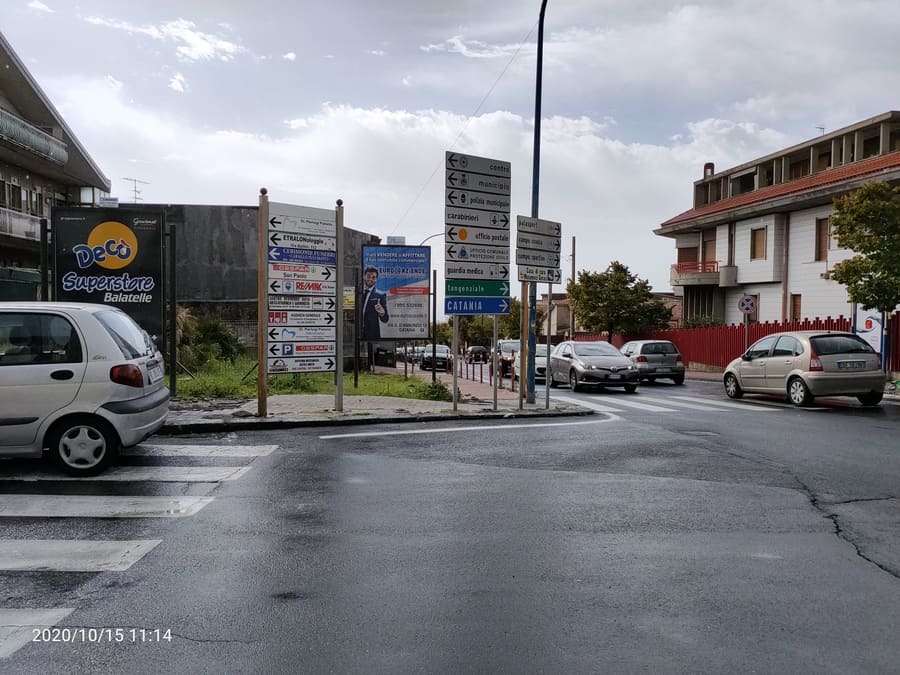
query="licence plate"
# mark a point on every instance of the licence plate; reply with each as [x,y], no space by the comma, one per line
[155,373]
[615,376]
[851,365]
[663,370]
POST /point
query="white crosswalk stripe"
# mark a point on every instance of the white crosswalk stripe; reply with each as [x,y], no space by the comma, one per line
[667,404]
[166,474]
[72,555]
[100,506]
[17,626]
[201,450]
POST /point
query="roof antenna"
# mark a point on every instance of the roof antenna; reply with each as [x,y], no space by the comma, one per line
[821,130]
[137,192]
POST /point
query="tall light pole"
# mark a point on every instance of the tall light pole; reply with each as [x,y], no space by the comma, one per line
[535,184]
[433,312]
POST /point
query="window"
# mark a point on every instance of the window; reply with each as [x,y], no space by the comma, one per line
[787,346]
[762,348]
[15,197]
[871,146]
[758,244]
[37,338]
[755,315]
[823,235]
[2,193]
[799,169]
[795,307]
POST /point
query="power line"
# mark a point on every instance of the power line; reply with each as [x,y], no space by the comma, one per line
[134,188]
[466,125]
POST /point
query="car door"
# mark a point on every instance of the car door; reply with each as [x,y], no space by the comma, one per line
[782,362]
[753,364]
[48,379]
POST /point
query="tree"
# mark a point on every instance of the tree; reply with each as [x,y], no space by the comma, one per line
[867,221]
[616,301]
[510,324]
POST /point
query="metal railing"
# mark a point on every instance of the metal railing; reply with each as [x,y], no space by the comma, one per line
[18,224]
[696,267]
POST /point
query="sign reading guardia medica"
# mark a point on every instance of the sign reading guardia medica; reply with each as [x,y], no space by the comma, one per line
[114,257]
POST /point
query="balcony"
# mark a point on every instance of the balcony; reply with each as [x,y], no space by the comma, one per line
[695,274]
[20,134]
[20,225]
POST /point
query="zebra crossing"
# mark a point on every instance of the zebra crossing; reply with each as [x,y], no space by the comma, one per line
[622,403]
[17,624]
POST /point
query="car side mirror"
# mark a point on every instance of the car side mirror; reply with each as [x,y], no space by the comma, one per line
[746,357]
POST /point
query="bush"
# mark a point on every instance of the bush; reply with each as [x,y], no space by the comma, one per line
[205,340]
[432,391]
[702,321]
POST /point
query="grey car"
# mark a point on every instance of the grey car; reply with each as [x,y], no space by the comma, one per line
[597,364]
[655,360]
[804,364]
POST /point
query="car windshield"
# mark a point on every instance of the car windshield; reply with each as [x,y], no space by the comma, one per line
[508,347]
[826,345]
[659,348]
[131,339]
[595,349]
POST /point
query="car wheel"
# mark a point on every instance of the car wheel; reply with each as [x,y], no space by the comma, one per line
[732,388]
[871,398]
[83,445]
[798,392]
[631,388]
[573,380]
[678,379]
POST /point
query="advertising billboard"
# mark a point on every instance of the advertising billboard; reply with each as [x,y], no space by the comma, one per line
[395,292]
[111,256]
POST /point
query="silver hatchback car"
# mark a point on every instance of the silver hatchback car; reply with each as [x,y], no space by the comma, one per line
[656,359]
[804,364]
[79,379]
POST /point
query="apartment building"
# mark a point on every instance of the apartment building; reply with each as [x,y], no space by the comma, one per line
[42,164]
[762,228]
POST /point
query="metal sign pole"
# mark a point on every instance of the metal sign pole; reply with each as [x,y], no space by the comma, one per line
[495,362]
[455,351]
[339,313]
[547,365]
[262,304]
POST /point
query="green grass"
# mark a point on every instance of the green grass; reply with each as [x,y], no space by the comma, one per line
[223,379]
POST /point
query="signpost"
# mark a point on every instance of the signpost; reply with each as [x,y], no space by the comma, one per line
[747,305]
[476,242]
[537,255]
[301,288]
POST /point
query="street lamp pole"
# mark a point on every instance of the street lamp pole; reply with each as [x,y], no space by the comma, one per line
[535,184]
[433,312]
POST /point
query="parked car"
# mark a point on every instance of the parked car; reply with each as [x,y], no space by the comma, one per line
[540,363]
[597,364]
[477,354]
[506,352]
[655,359]
[439,359]
[804,364]
[81,380]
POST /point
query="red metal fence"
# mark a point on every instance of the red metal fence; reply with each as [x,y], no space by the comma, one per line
[716,346]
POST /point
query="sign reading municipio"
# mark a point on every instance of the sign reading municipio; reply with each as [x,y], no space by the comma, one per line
[113,257]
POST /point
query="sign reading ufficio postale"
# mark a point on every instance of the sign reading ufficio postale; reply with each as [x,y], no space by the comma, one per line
[113,257]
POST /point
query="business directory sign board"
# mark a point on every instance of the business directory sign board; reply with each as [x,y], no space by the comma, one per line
[112,256]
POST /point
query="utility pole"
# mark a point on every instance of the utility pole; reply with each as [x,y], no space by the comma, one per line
[134,188]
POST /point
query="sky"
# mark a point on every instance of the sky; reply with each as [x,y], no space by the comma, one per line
[206,101]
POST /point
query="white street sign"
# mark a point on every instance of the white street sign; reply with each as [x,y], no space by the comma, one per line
[301,333]
[538,226]
[475,218]
[312,242]
[306,364]
[483,165]
[295,287]
[279,318]
[301,349]
[467,252]
[537,242]
[306,219]
[301,272]
[476,200]
[473,181]
[537,258]
[474,270]
[544,275]
[476,235]
[302,302]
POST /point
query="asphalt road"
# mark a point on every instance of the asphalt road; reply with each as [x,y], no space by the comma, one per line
[675,531]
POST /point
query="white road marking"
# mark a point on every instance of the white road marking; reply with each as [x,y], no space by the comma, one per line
[17,626]
[165,474]
[504,427]
[81,506]
[201,450]
[71,555]
[748,405]
[619,401]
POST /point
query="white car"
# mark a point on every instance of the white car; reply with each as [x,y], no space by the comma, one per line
[82,380]
[540,362]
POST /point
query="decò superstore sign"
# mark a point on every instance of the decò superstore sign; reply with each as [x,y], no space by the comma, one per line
[113,257]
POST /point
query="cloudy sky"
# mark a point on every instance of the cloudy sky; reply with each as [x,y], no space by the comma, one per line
[208,100]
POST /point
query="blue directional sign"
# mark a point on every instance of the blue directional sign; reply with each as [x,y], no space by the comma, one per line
[302,255]
[458,305]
